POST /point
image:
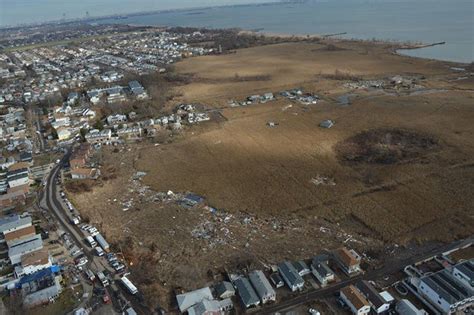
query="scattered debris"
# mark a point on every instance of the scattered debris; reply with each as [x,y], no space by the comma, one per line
[326,123]
[322,180]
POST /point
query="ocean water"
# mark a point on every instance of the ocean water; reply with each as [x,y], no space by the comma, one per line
[426,21]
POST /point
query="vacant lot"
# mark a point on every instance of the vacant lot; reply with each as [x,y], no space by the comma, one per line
[286,192]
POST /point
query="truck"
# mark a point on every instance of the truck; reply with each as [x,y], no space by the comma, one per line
[99,251]
[90,275]
[91,242]
[103,279]
[102,242]
[129,285]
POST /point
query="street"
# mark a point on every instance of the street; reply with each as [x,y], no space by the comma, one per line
[49,199]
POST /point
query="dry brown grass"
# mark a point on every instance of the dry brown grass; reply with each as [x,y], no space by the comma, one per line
[246,168]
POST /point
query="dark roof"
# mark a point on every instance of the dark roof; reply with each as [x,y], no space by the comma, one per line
[445,286]
[322,269]
[246,292]
[276,279]
[26,156]
[370,293]
[321,258]
[223,287]
[300,266]
[466,268]
[290,273]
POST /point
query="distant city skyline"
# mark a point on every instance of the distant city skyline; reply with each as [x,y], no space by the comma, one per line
[16,12]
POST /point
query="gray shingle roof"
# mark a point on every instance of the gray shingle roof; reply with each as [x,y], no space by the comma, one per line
[246,292]
[261,284]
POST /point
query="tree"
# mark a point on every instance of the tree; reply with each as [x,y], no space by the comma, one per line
[99,125]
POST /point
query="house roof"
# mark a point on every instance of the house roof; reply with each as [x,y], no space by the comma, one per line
[209,306]
[370,293]
[467,268]
[224,287]
[186,300]
[443,283]
[20,233]
[290,273]
[82,171]
[322,269]
[39,257]
[346,256]
[261,284]
[31,245]
[13,221]
[246,292]
[354,297]
[18,166]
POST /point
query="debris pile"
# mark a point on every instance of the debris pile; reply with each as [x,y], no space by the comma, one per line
[300,96]
[322,180]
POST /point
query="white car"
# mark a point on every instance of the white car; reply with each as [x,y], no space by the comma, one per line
[92,230]
[82,262]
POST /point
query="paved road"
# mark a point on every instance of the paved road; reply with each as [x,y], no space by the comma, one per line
[51,199]
[391,268]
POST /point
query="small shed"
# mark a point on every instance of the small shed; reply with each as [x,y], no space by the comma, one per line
[328,123]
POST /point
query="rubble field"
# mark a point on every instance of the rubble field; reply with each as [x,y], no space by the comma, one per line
[237,192]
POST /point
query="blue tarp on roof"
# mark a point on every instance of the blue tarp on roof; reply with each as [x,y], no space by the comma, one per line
[38,275]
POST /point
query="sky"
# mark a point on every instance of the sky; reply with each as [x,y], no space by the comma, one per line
[14,12]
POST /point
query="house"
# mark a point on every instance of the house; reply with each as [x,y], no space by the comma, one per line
[406,307]
[348,260]
[376,301]
[445,292]
[277,280]
[19,234]
[211,307]
[84,173]
[224,290]
[12,223]
[302,268]
[15,195]
[99,137]
[26,157]
[33,262]
[187,300]
[137,89]
[355,300]
[40,287]
[29,245]
[115,119]
[18,175]
[89,113]
[387,297]
[267,97]
[63,133]
[326,123]
[291,276]
[464,273]
[130,133]
[322,272]
[115,94]
[262,286]
[247,294]
[72,98]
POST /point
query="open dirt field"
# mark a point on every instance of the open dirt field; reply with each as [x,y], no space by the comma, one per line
[286,191]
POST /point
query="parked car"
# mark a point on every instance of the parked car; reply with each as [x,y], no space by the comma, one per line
[82,262]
